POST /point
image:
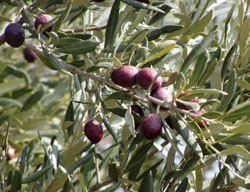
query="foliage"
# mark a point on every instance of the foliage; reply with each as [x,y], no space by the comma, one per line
[44,105]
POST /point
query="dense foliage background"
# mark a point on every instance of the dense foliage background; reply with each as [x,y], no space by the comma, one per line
[202,45]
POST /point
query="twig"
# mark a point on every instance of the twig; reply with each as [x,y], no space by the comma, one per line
[99,185]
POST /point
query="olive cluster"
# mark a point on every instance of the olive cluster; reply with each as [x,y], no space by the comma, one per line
[14,35]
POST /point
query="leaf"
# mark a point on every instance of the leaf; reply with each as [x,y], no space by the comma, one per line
[161,53]
[140,5]
[231,88]
[11,69]
[16,181]
[130,121]
[198,180]
[151,168]
[170,160]
[244,84]
[66,41]
[227,61]
[11,85]
[156,33]
[33,99]
[147,184]
[166,8]
[2,18]
[62,18]
[197,51]
[109,128]
[237,150]
[4,101]
[187,135]
[36,175]
[112,23]
[79,48]
[199,69]
[201,24]
[244,33]
[113,171]
[138,157]
[243,129]
[80,162]
[183,186]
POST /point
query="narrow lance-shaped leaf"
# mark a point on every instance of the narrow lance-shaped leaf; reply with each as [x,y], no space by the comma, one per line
[147,184]
[227,61]
[62,18]
[140,5]
[112,23]
[187,135]
[231,88]
[197,51]
[199,69]
[36,175]
[79,48]
[183,186]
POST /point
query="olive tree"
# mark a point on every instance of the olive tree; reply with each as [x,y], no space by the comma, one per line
[124,95]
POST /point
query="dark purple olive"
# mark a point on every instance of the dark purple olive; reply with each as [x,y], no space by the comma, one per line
[146,76]
[125,76]
[161,94]
[43,20]
[14,34]
[151,126]
[29,55]
[93,130]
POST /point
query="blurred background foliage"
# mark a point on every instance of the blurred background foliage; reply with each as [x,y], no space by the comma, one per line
[199,44]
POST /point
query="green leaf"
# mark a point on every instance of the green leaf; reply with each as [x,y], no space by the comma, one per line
[199,69]
[16,181]
[147,184]
[11,85]
[33,99]
[140,5]
[198,180]
[11,69]
[183,186]
[237,150]
[109,128]
[230,89]
[138,157]
[151,168]
[36,175]
[80,162]
[188,136]
[166,8]
[201,24]
[227,61]
[156,33]
[112,24]
[244,84]
[79,48]
[113,171]
[164,51]
[66,41]
[197,51]
[244,33]
[62,18]
[130,121]
[4,101]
